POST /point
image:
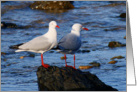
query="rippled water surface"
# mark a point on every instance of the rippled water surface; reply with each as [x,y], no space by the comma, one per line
[20,74]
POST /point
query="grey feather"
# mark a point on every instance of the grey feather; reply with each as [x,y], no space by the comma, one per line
[38,43]
[70,43]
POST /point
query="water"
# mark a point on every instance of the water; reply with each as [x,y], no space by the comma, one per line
[20,74]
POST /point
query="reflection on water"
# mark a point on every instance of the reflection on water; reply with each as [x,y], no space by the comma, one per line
[101,18]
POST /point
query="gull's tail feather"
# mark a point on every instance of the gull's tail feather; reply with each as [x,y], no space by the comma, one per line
[19,50]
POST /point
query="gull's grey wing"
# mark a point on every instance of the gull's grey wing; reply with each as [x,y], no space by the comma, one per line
[70,42]
[38,43]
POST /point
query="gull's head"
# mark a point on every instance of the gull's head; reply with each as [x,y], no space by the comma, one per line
[53,24]
[78,27]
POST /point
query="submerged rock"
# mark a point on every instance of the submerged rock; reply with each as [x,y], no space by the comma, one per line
[62,58]
[52,5]
[69,79]
[13,25]
[3,53]
[112,62]
[8,25]
[83,51]
[123,15]
[115,44]
[85,67]
[95,64]
[117,57]
[124,37]
[22,57]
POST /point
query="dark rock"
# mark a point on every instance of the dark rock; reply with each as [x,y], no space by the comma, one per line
[123,15]
[3,53]
[85,67]
[112,62]
[62,58]
[12,25]
[15,46]
[115,29]
[3,1]
[8,25]
[117,57]
[69,79]
[52,5]
[83,51]
[95,64]
[115,44]
[31,55]
[124,37]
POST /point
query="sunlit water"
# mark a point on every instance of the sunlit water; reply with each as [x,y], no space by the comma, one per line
[20,74]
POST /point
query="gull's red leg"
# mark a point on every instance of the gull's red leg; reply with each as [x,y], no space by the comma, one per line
[42,62]
[65,59]
[74,60]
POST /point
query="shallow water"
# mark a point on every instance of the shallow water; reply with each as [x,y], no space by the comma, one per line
[20,74]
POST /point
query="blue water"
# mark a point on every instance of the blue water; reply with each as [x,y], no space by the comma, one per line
[20,74]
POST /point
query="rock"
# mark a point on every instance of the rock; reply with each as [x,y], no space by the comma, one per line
[8,25]
[85,67]
[115,44]
[123,15]
[124,37]
[15,46]
[22,57]
[12,25]
[62,58]
[3,53]
[112,62]
[95,64]
[69,79]
[31,55]
[118,57]
[83,51]
[115,29]
[3,1]
[52,5]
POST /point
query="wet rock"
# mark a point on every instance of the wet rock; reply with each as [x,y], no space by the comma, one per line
[22,57]
[123,15]
[115,44]
[112,62]
[15,46]
[3,53]
[95,64]
[85,67]
[124,37]
[52,5]
[62,58]
[83,51]
[31,55]
[117,57]
[13,25]
[3,1]
[5,59]
[8,25]
[115,29]
[69,79]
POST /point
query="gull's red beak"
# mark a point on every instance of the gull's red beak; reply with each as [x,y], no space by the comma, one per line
[85,28]
[57,26]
